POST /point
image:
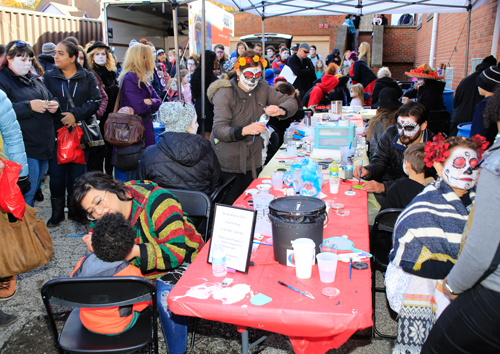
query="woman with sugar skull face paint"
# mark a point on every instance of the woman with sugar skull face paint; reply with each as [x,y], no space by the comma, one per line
[427,237]
[238,105]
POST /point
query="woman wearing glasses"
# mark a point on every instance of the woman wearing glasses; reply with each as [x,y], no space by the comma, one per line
[35,107]
[166,242]
[80,98]
[238,105]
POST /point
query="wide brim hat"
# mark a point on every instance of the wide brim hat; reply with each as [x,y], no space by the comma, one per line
[97,44]
[387,98]
[424,72]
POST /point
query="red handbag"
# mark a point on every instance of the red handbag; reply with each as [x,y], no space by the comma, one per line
[68,146]
[11,198]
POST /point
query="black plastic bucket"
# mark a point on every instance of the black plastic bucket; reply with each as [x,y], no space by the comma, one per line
[293,218]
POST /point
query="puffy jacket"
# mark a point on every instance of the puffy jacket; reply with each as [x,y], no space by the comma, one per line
[362,73]
[235,109]
[46,61]
[327,84]
[37,128]
[386,166]
[383,83]
[10,132]
[84,93]
[182,161]
[107,320]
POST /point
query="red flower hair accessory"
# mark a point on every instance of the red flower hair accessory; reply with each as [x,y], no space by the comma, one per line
[481,143]
[437,150]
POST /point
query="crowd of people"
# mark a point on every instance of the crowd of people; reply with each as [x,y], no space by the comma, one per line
[438,251]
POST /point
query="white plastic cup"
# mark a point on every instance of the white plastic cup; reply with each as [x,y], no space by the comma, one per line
[261,204]
[277,180]
[327,266]
[334,185]
[303,251]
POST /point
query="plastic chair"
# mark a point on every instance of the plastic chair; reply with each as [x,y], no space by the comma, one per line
[95,292]
[384,222]
[439,122]
[196,205]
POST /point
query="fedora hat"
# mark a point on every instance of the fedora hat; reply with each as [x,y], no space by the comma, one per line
[387,98]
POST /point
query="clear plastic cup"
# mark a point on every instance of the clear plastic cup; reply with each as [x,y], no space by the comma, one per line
[261,204]
[327,265]
[277,180]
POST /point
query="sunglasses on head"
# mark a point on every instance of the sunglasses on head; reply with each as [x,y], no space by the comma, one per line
[18,44]
[248,75]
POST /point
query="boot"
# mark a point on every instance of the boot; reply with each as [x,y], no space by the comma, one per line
[39,196]
[71,213]
[7,288]
[57,212]
[6,319]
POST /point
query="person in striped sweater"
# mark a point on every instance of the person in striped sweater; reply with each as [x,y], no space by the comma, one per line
[166,242]
[426,239]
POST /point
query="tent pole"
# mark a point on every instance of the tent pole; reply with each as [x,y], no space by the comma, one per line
[263,38]
[203,68]
[175,4]
[469,13]
[433,40]
[494,43]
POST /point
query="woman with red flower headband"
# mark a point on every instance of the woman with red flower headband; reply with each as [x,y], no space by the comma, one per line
[470,324]
[238,105]
[427,238]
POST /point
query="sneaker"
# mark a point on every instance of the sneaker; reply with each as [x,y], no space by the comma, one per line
[7,288]
[6,319]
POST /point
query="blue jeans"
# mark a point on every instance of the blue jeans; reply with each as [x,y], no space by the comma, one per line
[174,326]
[62,177]
[37,169]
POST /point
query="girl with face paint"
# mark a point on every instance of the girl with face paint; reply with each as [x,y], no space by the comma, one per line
[238,105]
[35,108]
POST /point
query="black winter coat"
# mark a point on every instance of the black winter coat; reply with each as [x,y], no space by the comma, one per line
[381,84]
[430,94]
[46,61]
[386,166]
[83,89]
[362,73]
[181,161]
[305,73]
[37,128]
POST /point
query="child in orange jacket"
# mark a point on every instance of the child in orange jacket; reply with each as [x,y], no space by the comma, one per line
[112,239]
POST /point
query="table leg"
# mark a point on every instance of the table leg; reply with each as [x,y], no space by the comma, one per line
[244,341]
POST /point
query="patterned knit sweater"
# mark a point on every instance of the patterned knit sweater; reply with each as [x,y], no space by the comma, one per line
[428,232]
[165,236]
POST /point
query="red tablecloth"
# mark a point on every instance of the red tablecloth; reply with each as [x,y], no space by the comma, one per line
[313,326]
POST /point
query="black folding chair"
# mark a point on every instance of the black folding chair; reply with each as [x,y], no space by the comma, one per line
[197,206]
[95,292]
[220,193]
[380,246]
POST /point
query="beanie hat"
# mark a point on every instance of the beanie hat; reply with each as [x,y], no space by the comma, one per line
[490,59]
[489,79]
[49,48]
[177,116]
[269,74]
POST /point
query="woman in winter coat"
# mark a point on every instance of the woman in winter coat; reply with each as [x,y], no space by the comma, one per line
[210,60]
[69,76]
[34,106]
[238,105]
[384,80]
[103,65]
[182,159]
[360,70]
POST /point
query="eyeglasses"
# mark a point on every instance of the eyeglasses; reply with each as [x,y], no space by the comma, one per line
[248,75]
[18,44]
[99,207]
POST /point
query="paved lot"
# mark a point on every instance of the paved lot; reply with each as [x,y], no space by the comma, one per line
[31,333]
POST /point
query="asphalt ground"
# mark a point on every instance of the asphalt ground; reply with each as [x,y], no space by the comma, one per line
[31,333]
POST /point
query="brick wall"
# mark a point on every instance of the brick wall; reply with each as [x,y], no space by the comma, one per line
[451,39]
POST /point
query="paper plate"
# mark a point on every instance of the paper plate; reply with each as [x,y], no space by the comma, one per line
[252,191]
[266,181]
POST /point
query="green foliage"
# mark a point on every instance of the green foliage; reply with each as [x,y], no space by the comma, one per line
[27,5]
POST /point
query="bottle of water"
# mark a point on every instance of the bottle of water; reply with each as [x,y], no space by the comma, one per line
[219,268]
[349,169]
[264,119]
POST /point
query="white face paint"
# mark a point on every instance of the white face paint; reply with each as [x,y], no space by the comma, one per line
[21,65]
[191,65]
[250,77]
[171,58]
[407,127]
[459,168]
[312,52]
[173,87]
[100,57]
[285,55]
[270,53]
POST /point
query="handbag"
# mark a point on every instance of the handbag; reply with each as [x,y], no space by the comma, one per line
[68,146]
[122,129]
[24,245]
[127,158]
[91,138]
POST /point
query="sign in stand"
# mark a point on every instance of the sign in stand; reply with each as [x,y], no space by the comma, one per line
[234,228]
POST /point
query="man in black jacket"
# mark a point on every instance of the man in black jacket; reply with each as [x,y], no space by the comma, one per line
[386,165]
[303,68]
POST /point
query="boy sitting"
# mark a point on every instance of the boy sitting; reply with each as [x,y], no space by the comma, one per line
[404,189]
[112,240]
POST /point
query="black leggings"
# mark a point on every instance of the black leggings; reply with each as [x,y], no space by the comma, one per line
[242,182]
[470,324]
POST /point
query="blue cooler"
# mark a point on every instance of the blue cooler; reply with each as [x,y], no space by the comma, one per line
[158,129]
[464,130]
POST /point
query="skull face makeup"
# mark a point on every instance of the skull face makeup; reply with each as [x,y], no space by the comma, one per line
[270,53]
[191,65]
[250,77]
[21,65]
[460,169]
[408,129]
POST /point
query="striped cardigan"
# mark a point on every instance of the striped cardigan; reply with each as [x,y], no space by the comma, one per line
[166,237]
[430,229]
